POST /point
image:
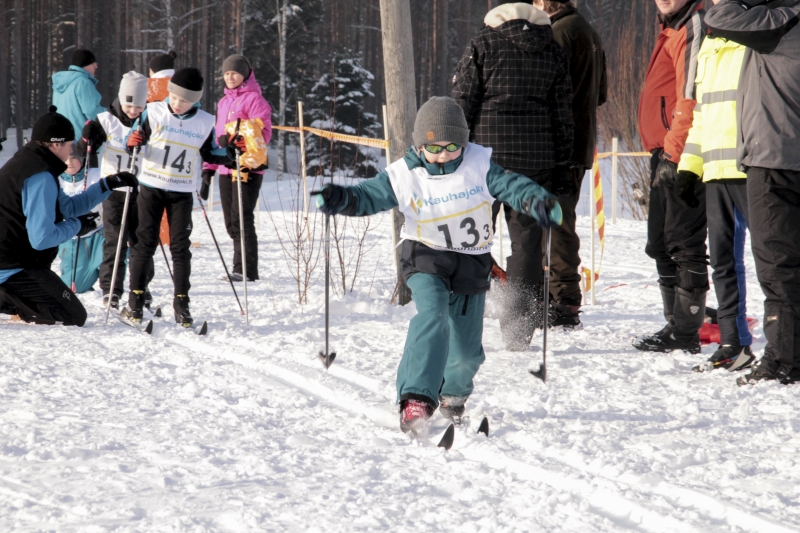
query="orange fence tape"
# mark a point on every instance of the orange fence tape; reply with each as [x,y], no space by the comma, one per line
[352,139]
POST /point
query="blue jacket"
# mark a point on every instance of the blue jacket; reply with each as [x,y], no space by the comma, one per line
[75,96]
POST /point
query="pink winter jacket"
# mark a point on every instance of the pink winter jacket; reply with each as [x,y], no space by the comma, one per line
[243,102]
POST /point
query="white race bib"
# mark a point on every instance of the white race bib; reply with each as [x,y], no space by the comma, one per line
[450,212]
[173,158]
[115,157]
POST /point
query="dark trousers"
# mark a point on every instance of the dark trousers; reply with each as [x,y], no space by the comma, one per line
[773,204]
[726,205]
[229,197]
[524,271]
[39,296]
[112,220]
[676,237]
[152,203]
[565,247]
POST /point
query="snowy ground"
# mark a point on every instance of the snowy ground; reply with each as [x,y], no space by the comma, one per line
[105,429]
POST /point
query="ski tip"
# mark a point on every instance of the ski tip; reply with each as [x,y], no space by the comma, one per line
[484,427]
[157,312]
[327,360]
[447,439]
[149,327]
[541,373]
[203,329]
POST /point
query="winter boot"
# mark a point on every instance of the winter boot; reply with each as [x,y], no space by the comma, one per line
[181,306]
[564,314]
[114,301]
[452,407]
[148,298]
[414,415]
[730,357]
[768,370]
[682,333]
[668,301]
[133,311]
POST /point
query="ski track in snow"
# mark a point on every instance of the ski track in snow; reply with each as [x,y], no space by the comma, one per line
[107,429]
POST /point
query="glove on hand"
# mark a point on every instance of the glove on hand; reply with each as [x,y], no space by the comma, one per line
[135,140]
[88,223]
[546,211]
[666,173]
[562,180]
[93,135]
[119,180]
[684,189]
[206,185]
[330,199]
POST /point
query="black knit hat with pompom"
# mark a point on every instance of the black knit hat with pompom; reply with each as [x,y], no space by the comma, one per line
[53,128]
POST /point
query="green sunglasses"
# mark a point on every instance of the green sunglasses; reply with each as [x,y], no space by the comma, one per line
[436,149]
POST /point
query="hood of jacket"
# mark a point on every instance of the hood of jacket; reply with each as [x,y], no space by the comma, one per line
[65,78]
[524,25]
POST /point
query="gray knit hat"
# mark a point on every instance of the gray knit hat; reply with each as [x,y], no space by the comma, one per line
[238,64]
[133,89]
[440,119]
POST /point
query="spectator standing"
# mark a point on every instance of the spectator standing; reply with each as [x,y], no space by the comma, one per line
[162,68]
[74,91]
[676,235]
[587,71]
[768,105]
[514,87]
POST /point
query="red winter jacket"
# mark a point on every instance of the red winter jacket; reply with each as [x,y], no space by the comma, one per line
[667,102]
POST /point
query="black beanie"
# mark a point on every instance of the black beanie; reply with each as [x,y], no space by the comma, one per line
[237,63]
[82,57]
[187,83]
[163,62]
[53,128]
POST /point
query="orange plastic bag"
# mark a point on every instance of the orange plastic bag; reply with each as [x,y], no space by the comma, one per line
[251,130]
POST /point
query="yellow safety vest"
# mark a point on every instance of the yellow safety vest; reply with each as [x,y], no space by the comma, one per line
[711,146]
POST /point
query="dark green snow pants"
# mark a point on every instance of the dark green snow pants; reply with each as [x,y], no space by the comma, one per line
[443,350]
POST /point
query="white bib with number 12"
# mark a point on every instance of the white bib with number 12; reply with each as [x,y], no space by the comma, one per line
[450,212]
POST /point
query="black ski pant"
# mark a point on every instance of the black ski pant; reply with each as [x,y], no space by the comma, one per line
[112,222]
[39,296]
[773,204]
[726,205]
[152,203]
[524,270]
[565,246]
[229,197]
[676,236]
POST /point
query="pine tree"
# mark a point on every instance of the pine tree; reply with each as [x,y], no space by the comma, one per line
[336,103]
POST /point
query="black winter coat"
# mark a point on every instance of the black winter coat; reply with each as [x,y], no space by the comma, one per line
[514,87]
[587,70]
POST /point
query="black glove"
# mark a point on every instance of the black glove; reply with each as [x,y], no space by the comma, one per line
[562,181]
[206,185]
[88,223]
[684,189]
[93,135]
[119,180]
[330,198]
[666,173]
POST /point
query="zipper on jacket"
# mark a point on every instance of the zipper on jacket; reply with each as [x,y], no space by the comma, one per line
[664,117]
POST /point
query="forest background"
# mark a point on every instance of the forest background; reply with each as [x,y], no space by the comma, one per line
[38,37]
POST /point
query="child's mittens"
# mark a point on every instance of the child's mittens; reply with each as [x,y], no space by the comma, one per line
[330,199]
[93,135]
[135,140]
[207,175]
[546,211]
[88,223]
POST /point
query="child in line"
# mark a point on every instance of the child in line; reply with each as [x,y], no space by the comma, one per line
[176,137]
[445,187]
[110,130]
[84,271]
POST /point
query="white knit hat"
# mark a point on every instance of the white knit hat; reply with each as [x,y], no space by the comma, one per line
[133,89]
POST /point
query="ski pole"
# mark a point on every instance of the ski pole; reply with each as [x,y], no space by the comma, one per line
[169,269]
[241,226]
[327,357]
[542,372]
[219,252]
[121,237]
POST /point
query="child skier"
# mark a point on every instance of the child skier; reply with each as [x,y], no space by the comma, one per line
[177,137]
[85,270]
[110,129]
[445,187]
